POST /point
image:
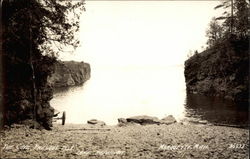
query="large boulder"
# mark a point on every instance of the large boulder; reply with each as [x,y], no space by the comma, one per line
[143,120]
[168,120]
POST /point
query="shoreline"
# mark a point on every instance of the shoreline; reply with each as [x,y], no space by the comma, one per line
[131,141]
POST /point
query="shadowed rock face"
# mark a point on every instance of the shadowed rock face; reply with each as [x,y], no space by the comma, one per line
[220,71]
[69,73]
[23,106]
[18,96]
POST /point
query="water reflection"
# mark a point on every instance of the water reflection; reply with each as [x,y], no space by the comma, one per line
[216,110]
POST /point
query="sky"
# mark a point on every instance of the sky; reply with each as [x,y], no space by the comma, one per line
[141,33]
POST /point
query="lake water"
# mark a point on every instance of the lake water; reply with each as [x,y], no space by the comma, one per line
[113,93]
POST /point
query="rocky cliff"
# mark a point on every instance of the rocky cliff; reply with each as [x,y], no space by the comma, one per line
[22,103]
[69,73]
[19,103]
[220,71]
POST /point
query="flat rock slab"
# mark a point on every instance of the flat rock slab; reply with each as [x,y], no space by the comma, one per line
[96,122]
[144,120]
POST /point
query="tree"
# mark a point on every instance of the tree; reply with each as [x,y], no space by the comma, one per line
[48,20]
[242,20]
[226,15]
[214,32]
[32,29]
[236,21]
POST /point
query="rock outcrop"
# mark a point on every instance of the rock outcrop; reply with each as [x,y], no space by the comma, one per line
[18,97]
[168,120]
[24,103]
[69,73]
[220,71]
[145,120]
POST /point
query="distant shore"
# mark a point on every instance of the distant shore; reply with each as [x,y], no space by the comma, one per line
[131,141]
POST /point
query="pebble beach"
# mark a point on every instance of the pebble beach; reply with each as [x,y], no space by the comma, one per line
[131,141]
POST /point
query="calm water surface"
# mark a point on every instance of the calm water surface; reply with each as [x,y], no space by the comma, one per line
[112,93]
[217,110]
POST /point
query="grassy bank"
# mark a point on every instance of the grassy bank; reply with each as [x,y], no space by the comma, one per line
[134,141]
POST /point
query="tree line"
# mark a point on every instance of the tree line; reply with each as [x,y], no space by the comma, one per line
[232,24]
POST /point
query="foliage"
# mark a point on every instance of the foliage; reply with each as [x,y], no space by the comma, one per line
[214,33]
[241,20]
[234,25]
[32,29]
[38,23]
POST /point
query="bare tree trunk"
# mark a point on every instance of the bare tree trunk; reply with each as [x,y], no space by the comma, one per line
[2,113]
[232,14]
[33,72]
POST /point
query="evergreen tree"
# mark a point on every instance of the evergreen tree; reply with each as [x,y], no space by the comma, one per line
[235,17]
[214,32]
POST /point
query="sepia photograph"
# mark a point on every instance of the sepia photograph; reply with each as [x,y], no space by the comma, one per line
[124,79]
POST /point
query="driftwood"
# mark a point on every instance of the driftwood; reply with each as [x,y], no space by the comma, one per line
[234,126]
[92,129]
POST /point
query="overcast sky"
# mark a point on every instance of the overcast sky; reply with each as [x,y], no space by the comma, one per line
[142,33]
